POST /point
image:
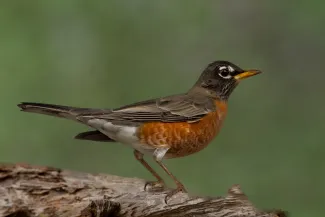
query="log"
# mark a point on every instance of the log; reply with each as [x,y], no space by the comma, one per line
[28,191]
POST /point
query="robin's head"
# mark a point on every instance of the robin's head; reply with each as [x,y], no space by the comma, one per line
[220,78]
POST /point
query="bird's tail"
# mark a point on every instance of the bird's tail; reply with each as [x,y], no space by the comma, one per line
[50,109]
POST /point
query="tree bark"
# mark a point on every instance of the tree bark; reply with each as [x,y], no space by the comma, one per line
[27,191]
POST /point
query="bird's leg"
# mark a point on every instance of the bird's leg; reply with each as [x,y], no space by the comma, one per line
[158,155]
[155,185]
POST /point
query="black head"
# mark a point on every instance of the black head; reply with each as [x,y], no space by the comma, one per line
[220,78]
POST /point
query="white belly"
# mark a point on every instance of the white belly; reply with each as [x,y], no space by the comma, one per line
[123,134]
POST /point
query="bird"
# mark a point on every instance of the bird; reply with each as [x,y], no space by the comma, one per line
[163,128]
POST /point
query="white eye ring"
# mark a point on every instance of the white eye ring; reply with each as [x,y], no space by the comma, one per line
[227,69]
[231,69]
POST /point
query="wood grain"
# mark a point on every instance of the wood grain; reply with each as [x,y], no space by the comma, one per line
[28,191]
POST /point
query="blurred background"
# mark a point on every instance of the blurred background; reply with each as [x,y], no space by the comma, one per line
[109,53]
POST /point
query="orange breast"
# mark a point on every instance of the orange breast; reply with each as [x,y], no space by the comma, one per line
[183,138]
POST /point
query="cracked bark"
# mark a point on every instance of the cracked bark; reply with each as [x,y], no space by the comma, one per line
[27,191]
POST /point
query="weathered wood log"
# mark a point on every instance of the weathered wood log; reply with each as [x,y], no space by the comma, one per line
[27,191]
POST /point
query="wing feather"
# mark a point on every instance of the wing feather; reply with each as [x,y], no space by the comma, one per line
[176,108]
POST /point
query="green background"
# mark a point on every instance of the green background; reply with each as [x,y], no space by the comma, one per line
[111,53]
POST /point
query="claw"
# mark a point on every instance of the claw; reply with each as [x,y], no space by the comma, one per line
[180,188]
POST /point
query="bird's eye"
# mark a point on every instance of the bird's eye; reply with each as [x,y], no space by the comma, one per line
[224,72]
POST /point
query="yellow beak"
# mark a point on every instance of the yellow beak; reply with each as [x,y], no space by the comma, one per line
[247,74]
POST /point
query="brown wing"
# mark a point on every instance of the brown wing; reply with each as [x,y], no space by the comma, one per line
[177,108]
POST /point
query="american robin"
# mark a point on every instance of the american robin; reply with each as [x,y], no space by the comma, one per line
[167,127]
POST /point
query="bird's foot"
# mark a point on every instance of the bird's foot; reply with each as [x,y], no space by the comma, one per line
[154,186]
[180,189]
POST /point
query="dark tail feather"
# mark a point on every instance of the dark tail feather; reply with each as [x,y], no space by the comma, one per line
[50,109]
[94,136]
